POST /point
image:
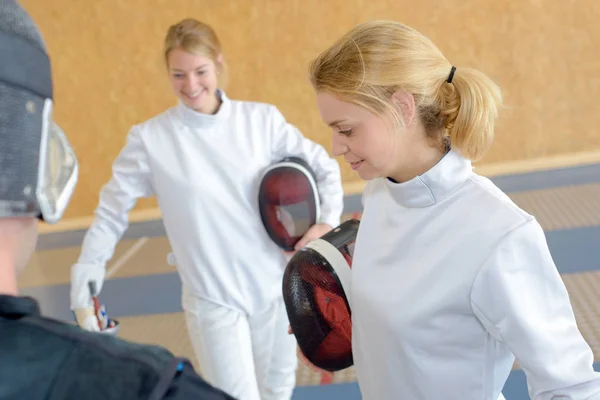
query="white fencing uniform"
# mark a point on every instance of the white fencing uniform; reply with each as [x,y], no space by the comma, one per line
[205,172]
[451,281]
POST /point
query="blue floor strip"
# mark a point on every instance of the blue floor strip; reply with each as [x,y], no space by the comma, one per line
[575,250]
[153,294]
[345,391]
[578,175]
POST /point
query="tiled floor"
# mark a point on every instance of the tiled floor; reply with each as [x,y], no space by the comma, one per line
[568,207]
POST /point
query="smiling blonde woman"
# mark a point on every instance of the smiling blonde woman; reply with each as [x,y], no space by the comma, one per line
[202,159]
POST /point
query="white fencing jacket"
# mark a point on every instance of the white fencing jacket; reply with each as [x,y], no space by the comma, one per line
[451,281]
[204,171]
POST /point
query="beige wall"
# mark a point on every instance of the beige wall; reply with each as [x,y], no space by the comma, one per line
[109,73]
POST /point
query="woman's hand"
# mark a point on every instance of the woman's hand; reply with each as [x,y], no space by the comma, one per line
[313,233]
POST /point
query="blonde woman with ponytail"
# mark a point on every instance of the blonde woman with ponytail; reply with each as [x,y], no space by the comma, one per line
[450,280]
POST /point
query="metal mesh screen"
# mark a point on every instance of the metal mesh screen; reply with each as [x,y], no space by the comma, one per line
[19,150]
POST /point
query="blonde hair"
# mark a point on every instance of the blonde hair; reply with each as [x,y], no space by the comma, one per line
[376,59]
[197,38]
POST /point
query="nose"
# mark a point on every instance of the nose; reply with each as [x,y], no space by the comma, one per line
[191,82]
[339,147]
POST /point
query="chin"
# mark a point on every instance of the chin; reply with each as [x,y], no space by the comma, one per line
[195,103]
[368,175]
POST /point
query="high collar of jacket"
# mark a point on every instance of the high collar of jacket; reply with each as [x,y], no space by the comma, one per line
[14,307]
[434,185]
[198,120]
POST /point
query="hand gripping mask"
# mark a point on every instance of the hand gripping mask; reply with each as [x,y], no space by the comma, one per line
[288,201]
[315,286]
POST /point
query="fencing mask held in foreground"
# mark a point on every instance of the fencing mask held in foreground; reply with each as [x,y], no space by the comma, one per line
[315,286]
[288,201]
[38,167]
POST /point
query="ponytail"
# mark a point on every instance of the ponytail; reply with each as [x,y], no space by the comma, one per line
[470,104]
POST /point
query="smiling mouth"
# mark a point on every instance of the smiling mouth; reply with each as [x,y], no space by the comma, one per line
[194,95]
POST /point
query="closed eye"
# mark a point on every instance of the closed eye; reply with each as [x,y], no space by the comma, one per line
[346,132]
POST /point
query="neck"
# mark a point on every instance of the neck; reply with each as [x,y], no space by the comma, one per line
[418,164]
[8,276]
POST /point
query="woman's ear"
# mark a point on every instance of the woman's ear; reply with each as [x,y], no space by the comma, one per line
[405,106]
[219,64]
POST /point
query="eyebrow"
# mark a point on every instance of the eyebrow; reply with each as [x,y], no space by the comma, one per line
[197,68]
[336,122]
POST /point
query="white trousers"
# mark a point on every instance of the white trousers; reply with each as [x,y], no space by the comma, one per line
[250,358]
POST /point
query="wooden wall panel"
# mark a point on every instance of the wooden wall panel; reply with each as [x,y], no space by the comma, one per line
[109,73]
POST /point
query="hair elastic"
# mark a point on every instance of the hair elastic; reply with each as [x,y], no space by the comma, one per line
[451,74]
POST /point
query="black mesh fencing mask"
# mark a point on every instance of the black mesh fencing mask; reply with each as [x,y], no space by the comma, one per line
[288,201]
[38,167]
[315,285]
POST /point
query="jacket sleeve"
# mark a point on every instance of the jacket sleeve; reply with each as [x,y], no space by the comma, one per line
[522,301]
[288,141]
[130,180]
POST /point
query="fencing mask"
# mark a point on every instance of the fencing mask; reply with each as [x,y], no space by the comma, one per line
[39,167]
[288,201]
[315,286]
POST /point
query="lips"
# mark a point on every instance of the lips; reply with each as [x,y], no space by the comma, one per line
[357,164]
[193,95]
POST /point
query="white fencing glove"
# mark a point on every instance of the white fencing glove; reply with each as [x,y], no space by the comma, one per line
[81,298]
